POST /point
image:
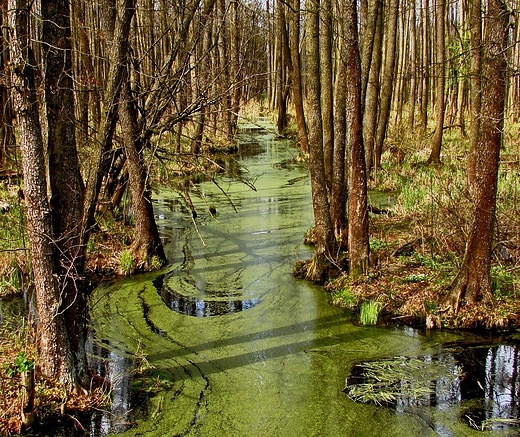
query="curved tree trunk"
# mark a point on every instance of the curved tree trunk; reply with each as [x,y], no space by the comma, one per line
[119,50]
[147,243]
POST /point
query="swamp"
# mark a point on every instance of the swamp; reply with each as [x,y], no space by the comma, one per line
[259,218]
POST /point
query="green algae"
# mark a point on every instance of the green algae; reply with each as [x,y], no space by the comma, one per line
[276,369]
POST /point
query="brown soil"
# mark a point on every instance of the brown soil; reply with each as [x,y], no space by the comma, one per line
[412,284]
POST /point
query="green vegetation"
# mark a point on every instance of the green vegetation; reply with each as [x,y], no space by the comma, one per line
[417,248]
[384,381]
[21,364]
[126,262]
[369,312]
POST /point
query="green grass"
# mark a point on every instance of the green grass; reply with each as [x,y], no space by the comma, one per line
[369,312]
[126,262]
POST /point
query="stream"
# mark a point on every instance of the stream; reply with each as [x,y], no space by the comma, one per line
[225,342]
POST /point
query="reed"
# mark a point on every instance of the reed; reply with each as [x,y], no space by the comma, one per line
[369,312]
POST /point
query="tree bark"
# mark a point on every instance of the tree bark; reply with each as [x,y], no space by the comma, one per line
[325,242]
[473,283]
[55,355]
[387,81]
[64,176]
[372,93]
[358,245]
[440,48]
[147,243]
[296,75]
[119,49]
[327,100]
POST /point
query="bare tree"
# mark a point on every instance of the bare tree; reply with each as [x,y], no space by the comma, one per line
[473,283]
[57,254]
[440,81]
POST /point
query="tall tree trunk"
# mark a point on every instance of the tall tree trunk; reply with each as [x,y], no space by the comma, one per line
[388,81]
[358,247]
[147,243]
[372,93]
[296,75]
[327,100]
[475,26]
[325,242]
[369,15]
[473,282]
[282,88]
[119,50]
[55,356]
[338,196]
[413,63]
[65,178]
[425,83]
[440,81]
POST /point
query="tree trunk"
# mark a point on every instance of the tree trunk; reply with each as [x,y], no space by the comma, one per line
[338,197]
[475,25]
[473,282]
[440,48]
[325,243]
[147,243]
[119,49]
[372,93]
[65,179]
[296,76]
[327,106]
[358,247]
[55,355]
[388,82]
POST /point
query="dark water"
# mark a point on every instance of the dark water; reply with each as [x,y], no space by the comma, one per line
[227,343]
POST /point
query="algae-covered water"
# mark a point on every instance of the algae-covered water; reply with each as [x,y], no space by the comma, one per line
[230,344]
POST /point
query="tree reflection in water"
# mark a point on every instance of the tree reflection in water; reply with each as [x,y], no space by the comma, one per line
[483,379]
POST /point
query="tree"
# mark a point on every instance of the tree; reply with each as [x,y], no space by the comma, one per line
[296,75]
[473,283]
[387,81]
[325,241]
[57,255]
[358,244]
[440,80]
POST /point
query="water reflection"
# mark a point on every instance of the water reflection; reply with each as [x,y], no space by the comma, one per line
[502,385]
[115,368]
[198,306]
[483,379]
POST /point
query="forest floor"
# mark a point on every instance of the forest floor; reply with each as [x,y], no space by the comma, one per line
[417,244]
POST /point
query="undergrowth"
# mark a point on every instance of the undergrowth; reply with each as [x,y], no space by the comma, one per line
[418,246]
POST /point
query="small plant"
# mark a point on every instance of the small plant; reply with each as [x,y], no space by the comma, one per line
[345,298]
[376,245]
[21,364]
[126,262]
[502,281]
[155,263]
[414,278]
[369,312]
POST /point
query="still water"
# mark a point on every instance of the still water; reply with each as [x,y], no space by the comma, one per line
[233,345]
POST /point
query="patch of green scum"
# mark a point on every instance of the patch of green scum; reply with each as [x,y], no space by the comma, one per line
[384,381]
[129,315]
